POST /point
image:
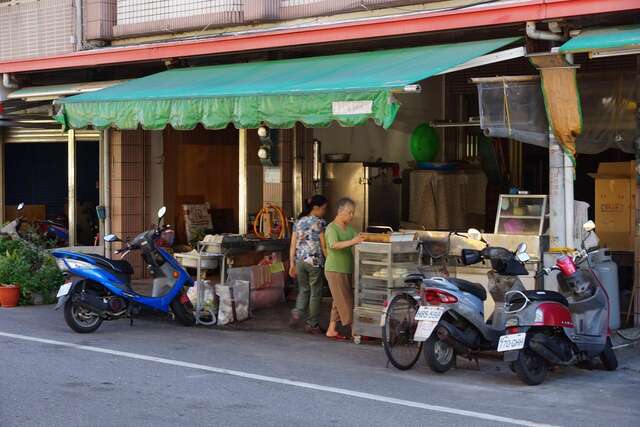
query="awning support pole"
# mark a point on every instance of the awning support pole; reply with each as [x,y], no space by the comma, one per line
[242,181]
[106,187]
[71,162]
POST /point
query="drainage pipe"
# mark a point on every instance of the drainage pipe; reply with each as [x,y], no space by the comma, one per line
[534,33]
[7,83]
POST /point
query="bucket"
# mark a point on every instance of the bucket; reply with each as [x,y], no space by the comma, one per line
[9,295]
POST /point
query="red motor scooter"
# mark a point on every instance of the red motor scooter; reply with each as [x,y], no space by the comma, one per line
[546,328]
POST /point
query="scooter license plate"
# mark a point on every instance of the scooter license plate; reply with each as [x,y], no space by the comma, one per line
[511,342]
[424,330]
[64,290]
[431,313]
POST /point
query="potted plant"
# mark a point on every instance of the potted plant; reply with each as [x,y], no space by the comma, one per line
[14,270]
[32,269]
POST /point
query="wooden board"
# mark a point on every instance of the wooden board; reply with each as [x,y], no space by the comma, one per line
[201,166]
[30,212]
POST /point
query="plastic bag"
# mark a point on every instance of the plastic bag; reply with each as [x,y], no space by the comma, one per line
[233,302]
[207,294]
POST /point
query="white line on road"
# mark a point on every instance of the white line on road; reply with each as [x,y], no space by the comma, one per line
[284,381]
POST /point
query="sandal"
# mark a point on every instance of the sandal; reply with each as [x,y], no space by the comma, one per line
[337,337]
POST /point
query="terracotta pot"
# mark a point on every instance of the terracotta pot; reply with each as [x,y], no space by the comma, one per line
[9,295]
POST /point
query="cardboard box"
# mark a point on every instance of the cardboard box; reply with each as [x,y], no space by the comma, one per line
[615,205]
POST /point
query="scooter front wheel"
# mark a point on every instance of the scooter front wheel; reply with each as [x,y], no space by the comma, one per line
[80,319]
[608,357]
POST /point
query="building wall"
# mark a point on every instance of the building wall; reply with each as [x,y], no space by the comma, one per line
[36,28]
[146,17]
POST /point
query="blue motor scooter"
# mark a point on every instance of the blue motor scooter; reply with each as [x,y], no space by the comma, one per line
[98,288]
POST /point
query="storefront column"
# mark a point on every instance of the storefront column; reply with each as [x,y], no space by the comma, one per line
[71,199]
[242,182]
[636,269]
[557,237]
[128,196]
[1,175]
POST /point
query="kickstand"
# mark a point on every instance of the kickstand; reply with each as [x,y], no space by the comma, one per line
[388,361]
[130,313]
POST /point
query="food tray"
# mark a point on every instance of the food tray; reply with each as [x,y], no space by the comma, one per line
[389,237]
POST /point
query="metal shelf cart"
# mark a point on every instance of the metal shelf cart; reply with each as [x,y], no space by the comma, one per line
[379,274]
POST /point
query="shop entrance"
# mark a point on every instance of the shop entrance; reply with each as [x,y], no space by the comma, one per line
[201,168]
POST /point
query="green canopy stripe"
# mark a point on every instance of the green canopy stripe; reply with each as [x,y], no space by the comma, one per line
[277,111]
[625,37]
[348,88]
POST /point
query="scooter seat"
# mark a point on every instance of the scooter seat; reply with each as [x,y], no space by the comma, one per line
[473,288]
[119,266]
[547,296]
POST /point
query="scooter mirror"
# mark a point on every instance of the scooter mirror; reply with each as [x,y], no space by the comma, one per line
[21,206]
[161,212]
[589,226]
[474,234]
[522,248]
[111,238]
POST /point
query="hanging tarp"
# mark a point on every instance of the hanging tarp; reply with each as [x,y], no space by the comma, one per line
[347,88]
[513,107]
[609,40]
[561,99]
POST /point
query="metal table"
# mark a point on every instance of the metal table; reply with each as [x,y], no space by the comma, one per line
[200,258]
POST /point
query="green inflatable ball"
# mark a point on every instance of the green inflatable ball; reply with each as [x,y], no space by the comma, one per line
[424,143]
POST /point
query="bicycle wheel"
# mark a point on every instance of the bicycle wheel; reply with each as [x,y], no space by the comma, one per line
[397,332]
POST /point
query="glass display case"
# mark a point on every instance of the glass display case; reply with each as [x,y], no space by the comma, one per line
[523,214]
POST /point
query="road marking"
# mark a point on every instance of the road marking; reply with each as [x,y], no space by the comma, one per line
[284,381]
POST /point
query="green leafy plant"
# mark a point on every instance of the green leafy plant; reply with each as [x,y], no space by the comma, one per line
[33,269]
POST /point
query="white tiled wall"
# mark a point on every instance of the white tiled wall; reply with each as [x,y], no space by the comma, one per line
[138,11]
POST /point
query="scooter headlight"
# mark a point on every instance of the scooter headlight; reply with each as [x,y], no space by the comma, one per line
[75,264]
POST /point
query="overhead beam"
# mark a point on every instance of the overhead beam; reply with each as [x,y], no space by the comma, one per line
[493,14]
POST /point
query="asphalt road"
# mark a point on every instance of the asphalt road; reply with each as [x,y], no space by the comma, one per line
[157,373]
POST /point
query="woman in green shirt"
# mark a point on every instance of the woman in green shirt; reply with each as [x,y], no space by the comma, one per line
[341,237]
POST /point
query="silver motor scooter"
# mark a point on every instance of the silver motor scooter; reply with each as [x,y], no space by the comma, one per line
[449,317]
[546,328]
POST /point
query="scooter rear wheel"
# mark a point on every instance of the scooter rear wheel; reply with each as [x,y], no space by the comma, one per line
[530,367]
[183,310]
[398,330]
[79,319]
[439,355]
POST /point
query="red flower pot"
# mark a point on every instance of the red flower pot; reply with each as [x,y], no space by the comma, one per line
[9,295]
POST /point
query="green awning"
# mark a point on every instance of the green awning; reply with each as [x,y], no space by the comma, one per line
[610,39]
[347,88]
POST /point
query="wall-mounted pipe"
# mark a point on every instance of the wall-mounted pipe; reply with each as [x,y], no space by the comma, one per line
[7,83]
[534,33]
